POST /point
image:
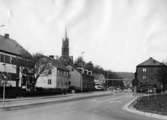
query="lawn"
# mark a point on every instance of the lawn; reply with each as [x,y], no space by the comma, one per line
[154,104]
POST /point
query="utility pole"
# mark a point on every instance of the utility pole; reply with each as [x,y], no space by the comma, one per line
[1,26]
[81,83]
[4,85]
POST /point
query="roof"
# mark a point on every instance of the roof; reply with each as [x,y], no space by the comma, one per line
[58,64]
[10,46]
[151,62]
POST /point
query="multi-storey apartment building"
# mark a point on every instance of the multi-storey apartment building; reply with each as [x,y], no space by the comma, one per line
[149,75]
[15,64]
[81,79]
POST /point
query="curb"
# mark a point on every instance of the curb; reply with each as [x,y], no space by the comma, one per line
[62,100]
[129,107]
[33,98]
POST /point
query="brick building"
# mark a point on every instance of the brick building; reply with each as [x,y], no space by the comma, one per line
[149,75]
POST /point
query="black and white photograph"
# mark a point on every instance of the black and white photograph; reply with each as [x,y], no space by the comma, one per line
[83,59]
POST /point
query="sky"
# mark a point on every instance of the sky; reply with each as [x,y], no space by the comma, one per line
[115,34]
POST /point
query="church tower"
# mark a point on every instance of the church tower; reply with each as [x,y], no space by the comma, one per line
[65,55]
[65,45]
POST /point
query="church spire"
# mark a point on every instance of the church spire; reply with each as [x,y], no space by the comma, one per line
[66,35]
[65,44]
[65,57]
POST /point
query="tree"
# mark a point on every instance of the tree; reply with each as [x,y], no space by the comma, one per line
[98,69]
[79,62]
[135,82]
[41,63]
[89,66]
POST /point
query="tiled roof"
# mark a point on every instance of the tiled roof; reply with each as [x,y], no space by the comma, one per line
[151,62]
[11,46]
[58,64]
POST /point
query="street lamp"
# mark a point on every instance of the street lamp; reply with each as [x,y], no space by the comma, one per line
[2,25]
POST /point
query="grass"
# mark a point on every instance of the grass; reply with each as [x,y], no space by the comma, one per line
[154,104]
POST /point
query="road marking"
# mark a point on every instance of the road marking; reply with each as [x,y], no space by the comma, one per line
[110,100]
[115,101]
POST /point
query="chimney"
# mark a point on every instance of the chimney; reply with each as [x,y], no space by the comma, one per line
[6,35]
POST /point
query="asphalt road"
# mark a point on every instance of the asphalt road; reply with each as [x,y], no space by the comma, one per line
[102,108]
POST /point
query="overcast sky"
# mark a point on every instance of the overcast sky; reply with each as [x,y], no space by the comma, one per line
[115,34]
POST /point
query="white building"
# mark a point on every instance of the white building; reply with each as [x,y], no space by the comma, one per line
[55,76]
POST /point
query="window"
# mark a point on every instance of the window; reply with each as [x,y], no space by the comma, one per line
[144,77]
[144,70]
[50,72]
[7,59]
[2,58]
[85,72]
[49,82]
[13,61]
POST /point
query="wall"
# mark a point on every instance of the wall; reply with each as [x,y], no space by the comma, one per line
[62,79]
[151,75]
[42,81]
[75,79]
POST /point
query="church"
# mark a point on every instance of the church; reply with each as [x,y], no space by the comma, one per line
[65,57]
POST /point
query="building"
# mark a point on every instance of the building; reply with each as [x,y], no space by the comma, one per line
[55,76]
[81,79]
[15,64]
[65,57]
[149,75]
[99,80]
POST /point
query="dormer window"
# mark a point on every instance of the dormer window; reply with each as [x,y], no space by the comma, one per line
[85,72]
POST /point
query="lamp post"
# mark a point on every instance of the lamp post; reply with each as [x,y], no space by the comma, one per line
[2,25]
[4,85]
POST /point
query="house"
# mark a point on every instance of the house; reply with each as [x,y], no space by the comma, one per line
[81,79]
[55,76]
[149,75]
[99,80]
[15,64]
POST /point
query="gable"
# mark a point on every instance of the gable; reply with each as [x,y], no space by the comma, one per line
[150,62]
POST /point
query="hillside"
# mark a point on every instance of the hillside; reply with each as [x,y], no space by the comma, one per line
[125,75]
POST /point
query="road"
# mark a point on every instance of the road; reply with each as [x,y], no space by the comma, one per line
[98,108]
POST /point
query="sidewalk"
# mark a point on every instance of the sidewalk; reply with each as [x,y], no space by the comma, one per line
[12,104]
